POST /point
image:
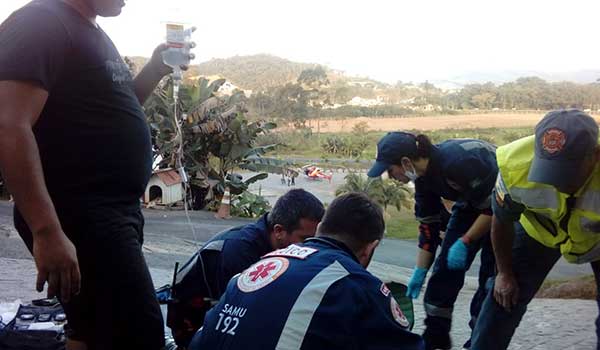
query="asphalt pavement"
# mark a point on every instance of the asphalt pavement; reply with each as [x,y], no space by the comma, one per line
[169,238]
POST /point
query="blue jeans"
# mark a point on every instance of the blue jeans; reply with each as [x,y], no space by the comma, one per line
[532,261]
[445,284]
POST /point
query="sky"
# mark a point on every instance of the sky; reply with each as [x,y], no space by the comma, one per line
[388,40]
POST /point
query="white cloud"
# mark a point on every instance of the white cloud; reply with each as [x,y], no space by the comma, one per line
[385,39]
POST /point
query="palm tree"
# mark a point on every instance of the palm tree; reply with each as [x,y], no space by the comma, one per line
[383,192]
[397,194]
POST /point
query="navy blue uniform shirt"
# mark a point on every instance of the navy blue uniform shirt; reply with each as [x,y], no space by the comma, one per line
[225,255]
[314,295]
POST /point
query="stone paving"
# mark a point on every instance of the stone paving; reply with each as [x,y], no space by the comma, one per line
[549,324]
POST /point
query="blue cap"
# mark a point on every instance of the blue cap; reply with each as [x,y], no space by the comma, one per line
[390,149]
[563,139]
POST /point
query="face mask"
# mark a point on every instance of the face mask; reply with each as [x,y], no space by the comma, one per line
[411,174]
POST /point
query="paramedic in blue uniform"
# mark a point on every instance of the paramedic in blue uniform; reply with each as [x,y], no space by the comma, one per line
[204,277]
[316,295]
[463,171]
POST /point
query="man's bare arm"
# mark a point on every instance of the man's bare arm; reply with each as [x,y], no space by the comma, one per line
[20,106]
[146,81]
[506,288]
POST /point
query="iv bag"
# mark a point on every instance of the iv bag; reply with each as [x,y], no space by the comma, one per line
[179,44]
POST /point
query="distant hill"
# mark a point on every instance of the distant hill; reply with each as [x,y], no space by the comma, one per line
[260,72]
[499,77]
[257,72]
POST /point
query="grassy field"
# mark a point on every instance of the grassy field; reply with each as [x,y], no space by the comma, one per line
[304,144]
[401,224]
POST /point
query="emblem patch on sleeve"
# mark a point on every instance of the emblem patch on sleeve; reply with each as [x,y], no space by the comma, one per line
[398,314]
[262,274]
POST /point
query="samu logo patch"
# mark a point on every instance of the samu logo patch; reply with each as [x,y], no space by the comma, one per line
[262,274]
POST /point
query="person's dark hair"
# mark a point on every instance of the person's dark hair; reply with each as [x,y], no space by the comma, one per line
[296,204]
[424,146]
[354,219]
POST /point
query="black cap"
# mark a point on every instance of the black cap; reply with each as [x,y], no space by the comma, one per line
[563,139]
[390,149]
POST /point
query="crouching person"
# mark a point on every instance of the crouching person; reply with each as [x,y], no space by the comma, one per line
[204,277]
[316,295]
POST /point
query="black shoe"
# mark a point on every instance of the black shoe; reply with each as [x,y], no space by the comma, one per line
[437,341]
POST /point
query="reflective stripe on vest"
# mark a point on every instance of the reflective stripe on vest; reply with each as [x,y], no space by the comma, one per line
[589,225]
[590,201]
[535,197]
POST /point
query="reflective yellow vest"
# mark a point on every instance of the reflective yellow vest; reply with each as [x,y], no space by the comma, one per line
[546,206]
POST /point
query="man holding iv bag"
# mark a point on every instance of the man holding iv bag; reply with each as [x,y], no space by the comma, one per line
[76,155]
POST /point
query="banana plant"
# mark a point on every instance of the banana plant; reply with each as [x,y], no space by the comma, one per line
[216,138]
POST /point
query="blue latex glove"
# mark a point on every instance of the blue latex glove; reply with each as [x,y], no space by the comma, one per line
[416,282]
[163,294]
[457,255]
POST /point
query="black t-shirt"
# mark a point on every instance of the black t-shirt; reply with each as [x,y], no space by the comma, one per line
[92,134]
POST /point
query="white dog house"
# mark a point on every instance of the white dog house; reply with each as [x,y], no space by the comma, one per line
[165,187]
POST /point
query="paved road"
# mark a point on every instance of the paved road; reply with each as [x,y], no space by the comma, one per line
[169,238]
[272,188]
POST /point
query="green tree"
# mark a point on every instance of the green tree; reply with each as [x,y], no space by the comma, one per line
[313,82]
[313,77]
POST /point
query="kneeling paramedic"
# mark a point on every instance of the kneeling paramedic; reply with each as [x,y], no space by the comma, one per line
[547,204]
[316,295]
[204,277]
